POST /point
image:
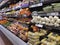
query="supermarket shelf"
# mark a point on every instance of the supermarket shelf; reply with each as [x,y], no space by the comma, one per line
[8,2]
[53,13]
[36,5]
[3,2]
[14,39]
[42,13]
[47,2]
[50,1]
[51,28]
[32,6]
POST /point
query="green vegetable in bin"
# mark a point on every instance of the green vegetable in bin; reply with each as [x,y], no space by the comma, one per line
[7,24]
[57,9]
[56,4]
[47,9]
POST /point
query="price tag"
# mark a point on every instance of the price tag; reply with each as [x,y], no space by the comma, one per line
[53,14]
[56,13]
[39,25]
[1,17]
[40,4]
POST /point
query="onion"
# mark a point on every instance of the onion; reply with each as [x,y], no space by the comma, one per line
[56,18]
[50,17]
[42,20]
[52,21]
[56,24]
[58,21]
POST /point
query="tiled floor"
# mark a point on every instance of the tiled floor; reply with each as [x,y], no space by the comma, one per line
[4,40]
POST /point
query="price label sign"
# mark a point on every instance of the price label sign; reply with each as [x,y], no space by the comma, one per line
[1,17]
[39,25]
[36,5]
[53,14]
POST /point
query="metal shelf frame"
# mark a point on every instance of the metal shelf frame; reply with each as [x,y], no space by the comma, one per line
[13,38]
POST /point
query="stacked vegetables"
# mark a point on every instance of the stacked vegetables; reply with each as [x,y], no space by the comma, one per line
[56,6]
[19,30]
[47,20]
[34,37]
[53,39]
[48,9]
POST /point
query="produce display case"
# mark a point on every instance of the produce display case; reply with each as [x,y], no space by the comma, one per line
[14,39]
[41,19]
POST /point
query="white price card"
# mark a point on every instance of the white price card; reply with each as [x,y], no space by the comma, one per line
[39,25]
[1,17]
[53,14]
[36,5]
